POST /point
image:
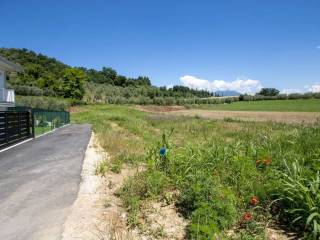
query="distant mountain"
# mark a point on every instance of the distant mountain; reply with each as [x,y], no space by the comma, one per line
[226,93]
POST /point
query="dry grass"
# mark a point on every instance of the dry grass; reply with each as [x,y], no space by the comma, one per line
[154,108]
[281,117]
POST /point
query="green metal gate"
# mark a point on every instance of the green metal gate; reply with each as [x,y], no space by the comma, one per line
[47,120]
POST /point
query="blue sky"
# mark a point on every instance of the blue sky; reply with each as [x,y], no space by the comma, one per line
[209,44]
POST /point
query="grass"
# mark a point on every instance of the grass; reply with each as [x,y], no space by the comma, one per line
[299,105]
[41,130]
[228,174]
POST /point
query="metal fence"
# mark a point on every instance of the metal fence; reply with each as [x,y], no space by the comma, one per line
[46,120]
[20,123]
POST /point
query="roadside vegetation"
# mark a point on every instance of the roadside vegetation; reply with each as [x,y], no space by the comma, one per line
[231,179]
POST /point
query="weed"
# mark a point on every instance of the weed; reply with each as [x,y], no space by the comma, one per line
[300,196]
[216,168]
[102,168]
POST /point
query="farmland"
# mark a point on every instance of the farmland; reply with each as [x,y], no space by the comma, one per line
[297,105]
[228,178]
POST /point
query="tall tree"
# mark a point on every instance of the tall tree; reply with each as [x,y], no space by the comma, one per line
[109,74]
[269,92]
[120,81]
[73,83]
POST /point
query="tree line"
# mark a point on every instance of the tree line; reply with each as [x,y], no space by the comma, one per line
[274,94]
[47,79]
[45,76]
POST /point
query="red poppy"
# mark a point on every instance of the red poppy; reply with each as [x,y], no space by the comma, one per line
[267,161]
[247,217]
[258,161]
[254,201]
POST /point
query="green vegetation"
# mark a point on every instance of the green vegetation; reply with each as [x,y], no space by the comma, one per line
[38,130]
[297,105]
[227,175]
[45,76]
[50,103]
[269,92]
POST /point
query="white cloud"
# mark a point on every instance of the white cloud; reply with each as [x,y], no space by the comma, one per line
[240,85]
[313,88]
[292,90]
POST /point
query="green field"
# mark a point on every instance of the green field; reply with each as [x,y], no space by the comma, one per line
[299,105]
[226,174]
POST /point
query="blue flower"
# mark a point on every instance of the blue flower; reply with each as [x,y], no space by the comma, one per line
[163,151]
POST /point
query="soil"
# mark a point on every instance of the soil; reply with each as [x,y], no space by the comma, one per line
[97,212]
[154,108]
[279,234]
[160,220]
[76,109]
[282,117]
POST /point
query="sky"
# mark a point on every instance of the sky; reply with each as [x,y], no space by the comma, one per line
[240,45]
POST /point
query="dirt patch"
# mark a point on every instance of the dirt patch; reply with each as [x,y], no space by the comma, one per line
[154,108]
[282,117]
[97,213]
[279,234]
[160,220]
[77,109]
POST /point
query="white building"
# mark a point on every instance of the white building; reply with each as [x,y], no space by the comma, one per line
[7,97]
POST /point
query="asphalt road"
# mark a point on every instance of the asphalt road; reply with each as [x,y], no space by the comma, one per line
[39,181]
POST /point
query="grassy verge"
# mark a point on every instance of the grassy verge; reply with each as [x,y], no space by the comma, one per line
[41,130]
[299,105]
[227,174]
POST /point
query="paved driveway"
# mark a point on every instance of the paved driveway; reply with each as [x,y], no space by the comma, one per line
[39,181]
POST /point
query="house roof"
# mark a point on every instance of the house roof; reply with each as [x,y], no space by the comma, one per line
[9,66]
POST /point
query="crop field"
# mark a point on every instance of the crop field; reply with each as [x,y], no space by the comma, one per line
[230,179]
[298,105]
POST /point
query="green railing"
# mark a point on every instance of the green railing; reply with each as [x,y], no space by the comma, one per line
[47,120]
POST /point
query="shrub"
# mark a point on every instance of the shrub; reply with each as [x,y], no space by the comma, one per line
[28,91]
[49,103]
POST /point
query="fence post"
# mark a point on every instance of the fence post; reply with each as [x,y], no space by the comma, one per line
[51,120]
[32,123]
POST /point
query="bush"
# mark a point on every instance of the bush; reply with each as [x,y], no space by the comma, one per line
[28,91]
[294,96]
[49,103]
[211,206]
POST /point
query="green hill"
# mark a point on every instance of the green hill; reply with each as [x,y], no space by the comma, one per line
[46,76]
